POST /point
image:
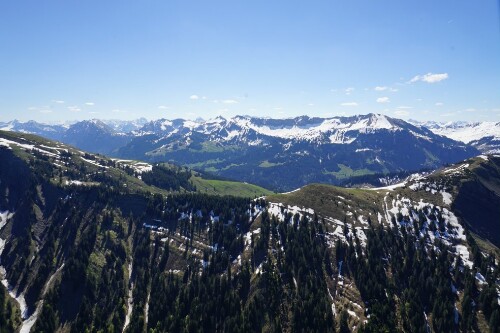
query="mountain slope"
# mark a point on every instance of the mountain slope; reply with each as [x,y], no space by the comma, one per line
[79,251]
[277,153]
[97,136]
[289,153]
[485,136]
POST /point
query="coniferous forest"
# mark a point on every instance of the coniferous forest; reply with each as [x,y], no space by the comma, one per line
[97,255]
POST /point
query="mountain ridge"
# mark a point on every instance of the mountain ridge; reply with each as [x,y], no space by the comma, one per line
[79,249]
[282,154]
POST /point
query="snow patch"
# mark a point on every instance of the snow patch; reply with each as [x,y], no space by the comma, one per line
[446,198]
[464,254]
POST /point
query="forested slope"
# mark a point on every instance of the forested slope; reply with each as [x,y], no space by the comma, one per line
[89,248]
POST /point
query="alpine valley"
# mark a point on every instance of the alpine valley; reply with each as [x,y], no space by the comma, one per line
[281,154]
[90,243]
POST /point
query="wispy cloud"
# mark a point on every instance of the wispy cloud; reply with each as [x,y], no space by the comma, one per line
[429,78]
[384,88]
[58,102]
[404,107]
[74,108]
[349,90]
[118,111]
[383,100]
[163,107]
[41,109]
[90,103]
[439,104]
[349,104]
[230,101]
[194,97]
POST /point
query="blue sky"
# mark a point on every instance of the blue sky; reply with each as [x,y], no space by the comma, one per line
[427,60]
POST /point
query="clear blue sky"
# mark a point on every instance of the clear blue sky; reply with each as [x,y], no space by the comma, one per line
[69,60]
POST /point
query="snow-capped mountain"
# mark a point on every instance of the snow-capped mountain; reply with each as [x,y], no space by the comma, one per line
[100,136]
[336,130]
[483,135]
[278,153]
[288,153]
[125,126]
[54,132]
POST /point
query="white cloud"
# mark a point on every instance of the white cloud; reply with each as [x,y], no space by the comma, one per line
[349,104]
[90,103]
[74,108]
[310,104]
[59,102]
[230,101]
[470,110]
[194,97]
[93,112]
[439,104]
[383,100]
[118,111]
[163,107]
[278,108]
[384,88]
[402,113]
[404,107]
[429,78]
[349,90]
[45,111]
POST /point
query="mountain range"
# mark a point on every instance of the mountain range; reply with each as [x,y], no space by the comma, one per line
[282,154]
[485,136]
[98,244]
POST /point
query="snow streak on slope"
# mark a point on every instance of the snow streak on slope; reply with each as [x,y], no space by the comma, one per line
[130,298]
[19,297]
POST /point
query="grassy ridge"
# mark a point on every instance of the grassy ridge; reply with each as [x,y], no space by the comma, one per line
[224,187]
[330,200]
